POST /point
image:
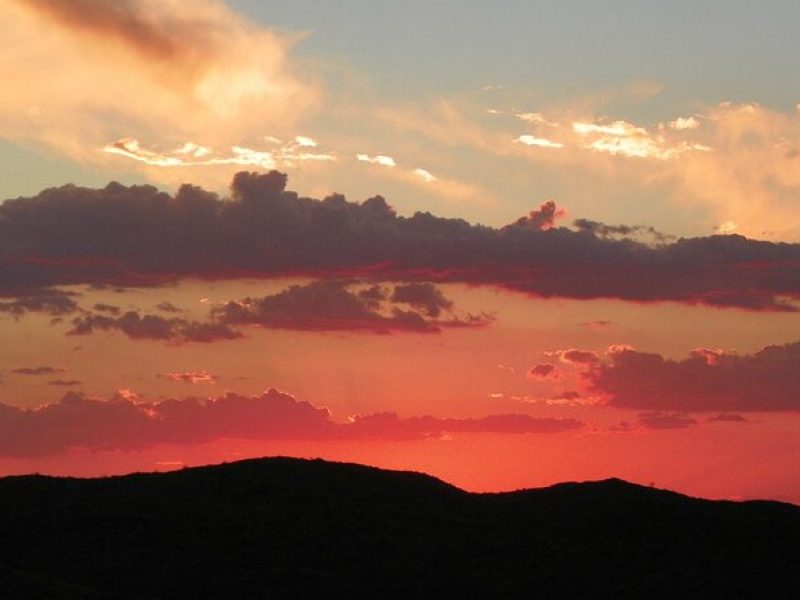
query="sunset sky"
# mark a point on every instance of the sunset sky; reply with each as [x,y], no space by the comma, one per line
[505,243]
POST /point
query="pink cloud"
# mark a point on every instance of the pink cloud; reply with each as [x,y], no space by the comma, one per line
[126,422]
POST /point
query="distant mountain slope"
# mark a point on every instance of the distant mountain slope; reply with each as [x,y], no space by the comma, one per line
[279,527]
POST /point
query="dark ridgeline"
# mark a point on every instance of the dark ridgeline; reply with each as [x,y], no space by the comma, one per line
[284,527]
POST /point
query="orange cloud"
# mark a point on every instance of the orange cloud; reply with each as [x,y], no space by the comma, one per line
[752,179]
[165,71]
[738,160]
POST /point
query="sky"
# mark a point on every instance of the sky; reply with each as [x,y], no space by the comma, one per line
[508,244]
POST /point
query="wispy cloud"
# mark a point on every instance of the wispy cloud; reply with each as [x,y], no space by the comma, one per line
[530,140]
[625,139]
[191,155]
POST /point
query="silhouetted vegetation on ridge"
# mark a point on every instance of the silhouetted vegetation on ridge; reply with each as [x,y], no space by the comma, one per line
[284,527]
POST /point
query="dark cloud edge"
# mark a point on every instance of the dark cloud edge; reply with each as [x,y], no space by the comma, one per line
[140,236]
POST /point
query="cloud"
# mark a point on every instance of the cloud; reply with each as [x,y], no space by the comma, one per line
[710,356]
[569,398]
[542,219]
[682,123]
[543,371]
[574,356]
[425,175]
[751,180]
[191,377]
[635,232]
[43,370]
[154,327]
[64,382]
[535,118]
[739,160]
[107,308]
[125,422]
[337,306]
[178,70]
[391,426]
[446,188]
[305,141]
[150,237]
[379,159]
[625,139]
[766,381]
[50,301]
[726,228]
[729,418]
[286,155]
[666,420]
[422,296]
[168,307]
[531,140]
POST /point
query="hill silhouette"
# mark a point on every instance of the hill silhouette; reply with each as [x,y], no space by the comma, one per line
[280,527]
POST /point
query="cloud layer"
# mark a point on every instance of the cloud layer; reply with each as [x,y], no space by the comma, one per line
[318,306]
[333,306]
[708,380]
[154,327]
[140,236]
[123,423]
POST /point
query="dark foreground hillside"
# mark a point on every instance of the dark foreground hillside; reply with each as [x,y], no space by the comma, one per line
[279,527]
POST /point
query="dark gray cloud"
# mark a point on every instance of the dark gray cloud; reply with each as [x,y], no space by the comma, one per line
[621,231]
[65,382]
[138,235]
[168,307]
[154,327]
[42,370]
[107,308]
[422,296]
[768,380]
[543,371]
[338,306]
[18,302]
[319,306]
[123,423]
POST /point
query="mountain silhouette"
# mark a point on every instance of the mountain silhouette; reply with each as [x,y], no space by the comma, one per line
[281,527]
